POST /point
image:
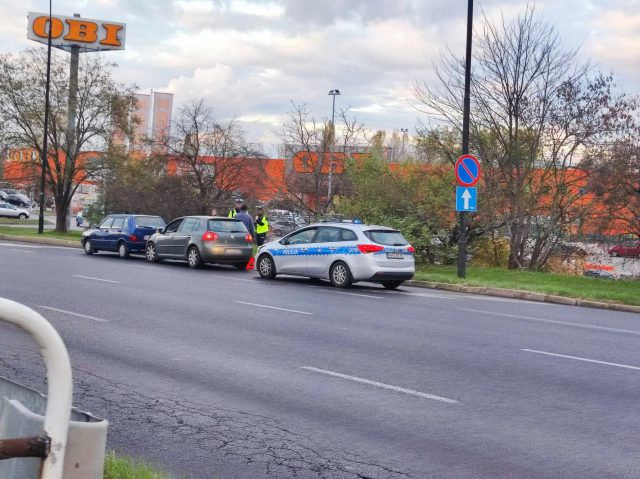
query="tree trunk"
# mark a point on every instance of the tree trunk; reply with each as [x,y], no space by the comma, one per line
[61,216]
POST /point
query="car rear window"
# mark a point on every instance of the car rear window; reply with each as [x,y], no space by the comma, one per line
[149,222]
[386,237]
[226,226]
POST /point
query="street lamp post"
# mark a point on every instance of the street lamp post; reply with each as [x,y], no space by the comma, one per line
[333,93]
[45,145]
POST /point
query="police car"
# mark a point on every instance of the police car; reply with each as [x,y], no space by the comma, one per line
[342,253]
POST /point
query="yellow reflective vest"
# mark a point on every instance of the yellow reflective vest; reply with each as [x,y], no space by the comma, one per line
[262,224]
[232,213]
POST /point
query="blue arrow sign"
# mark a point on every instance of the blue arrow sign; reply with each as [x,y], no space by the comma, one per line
[466,199]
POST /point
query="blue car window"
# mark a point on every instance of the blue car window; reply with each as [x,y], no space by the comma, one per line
[108,221]
[118,223]
[149,222]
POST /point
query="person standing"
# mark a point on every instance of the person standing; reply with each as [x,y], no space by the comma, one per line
[246,219]
[262,226]
[236,209]
[79,219]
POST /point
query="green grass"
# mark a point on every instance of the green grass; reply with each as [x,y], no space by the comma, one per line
[16,221]
[618,291]
[119,467]
[9,231]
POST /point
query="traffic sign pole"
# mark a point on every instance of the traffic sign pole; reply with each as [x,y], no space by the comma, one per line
[462,232]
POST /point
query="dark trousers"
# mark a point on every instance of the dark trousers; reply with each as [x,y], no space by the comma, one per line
[260,238]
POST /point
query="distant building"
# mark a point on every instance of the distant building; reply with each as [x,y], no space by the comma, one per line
[161,119]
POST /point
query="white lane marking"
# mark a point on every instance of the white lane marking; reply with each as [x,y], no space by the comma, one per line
[351,294]
[380,385]
[554,321]
[22,251]
[273,307]
[95,279]
[71,313]
[37,247]
[577,358]
[239,279]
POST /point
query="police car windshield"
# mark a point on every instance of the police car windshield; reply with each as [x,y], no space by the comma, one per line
[386,237]
[149,222]
[226,226]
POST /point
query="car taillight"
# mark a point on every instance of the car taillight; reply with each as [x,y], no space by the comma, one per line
[249,238]
[133,238]
[370,248]
[209,236]
[411,249]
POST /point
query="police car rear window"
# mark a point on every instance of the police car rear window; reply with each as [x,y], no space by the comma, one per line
[226,226]
[149,222]
[386,237]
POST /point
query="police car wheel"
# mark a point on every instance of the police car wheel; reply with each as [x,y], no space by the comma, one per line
[193,258]
[392,284]
[340,275]
[266,267]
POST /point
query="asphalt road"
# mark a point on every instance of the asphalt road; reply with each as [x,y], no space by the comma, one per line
[196,371]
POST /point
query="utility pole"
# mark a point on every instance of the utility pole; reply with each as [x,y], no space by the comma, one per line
[462,232]
[45,145]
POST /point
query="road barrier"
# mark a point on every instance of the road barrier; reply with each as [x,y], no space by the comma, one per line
[41,437]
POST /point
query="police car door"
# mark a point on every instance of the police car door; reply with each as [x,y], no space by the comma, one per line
[325,250]
[293,259]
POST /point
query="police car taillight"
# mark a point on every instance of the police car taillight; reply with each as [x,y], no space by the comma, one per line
[209,236]
[411,249]
[370,248]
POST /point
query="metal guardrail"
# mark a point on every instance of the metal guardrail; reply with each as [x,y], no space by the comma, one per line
[61,442]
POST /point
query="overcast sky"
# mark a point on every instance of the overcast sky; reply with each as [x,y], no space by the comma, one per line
[249,58]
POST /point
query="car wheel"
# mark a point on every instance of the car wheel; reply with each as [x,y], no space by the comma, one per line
[193,258]
[123,250]
[88,249]
[22,216]
[266,267]
[340,275]
[151,253]
[395,284]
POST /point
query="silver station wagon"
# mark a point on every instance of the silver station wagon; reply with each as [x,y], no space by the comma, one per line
[202,239]
[342,253]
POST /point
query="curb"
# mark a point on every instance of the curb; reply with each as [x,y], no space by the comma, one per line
[45,241]
[525,295]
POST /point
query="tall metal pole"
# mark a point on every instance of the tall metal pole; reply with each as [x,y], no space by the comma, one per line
[333,135]
[72,109]
[462,233]
[45,145]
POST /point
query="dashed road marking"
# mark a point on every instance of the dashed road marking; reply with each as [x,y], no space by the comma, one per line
[381,385]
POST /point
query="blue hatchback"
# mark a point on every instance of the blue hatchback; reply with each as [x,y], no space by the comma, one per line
[123,233]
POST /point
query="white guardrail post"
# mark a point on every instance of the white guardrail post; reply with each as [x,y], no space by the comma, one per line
[59,381]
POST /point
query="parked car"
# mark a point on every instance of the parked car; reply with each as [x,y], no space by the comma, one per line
[20,200]
[202,239]
[123,233]
[342,253]
[3,195]
[281,227]
[628,248]
[10,211]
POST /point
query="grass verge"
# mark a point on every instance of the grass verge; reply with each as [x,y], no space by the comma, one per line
[17,221]
[33,232]
[121,467]
[617,291]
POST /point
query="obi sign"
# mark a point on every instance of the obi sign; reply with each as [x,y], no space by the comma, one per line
[90,35]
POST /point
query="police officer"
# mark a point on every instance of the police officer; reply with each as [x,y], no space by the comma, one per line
[234,211]
[262,226]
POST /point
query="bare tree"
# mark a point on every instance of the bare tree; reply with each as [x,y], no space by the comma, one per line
[536,112]
[102,105]
[212,155]
[313,148]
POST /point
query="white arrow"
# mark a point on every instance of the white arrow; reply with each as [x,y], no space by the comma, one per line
[466,196]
